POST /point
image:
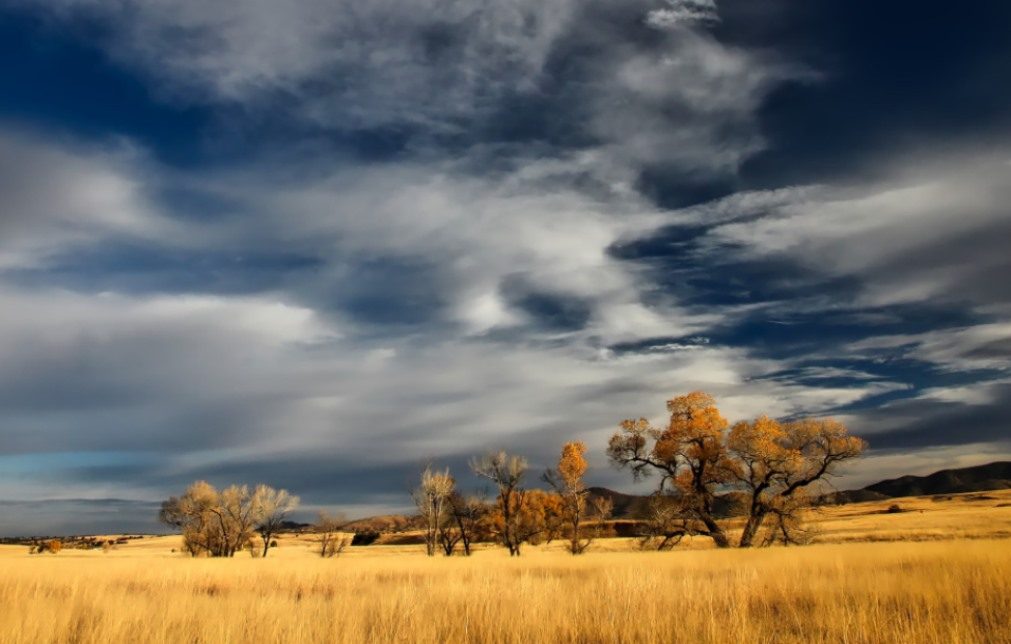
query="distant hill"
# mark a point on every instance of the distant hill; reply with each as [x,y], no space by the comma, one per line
[622,505]
[978,478]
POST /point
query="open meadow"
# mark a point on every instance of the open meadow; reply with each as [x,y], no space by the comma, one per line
[939,571]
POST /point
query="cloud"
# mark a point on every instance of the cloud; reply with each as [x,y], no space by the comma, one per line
[927,234]
[683,11]
[361,59]
[432,72]
[55,196]
[427,229]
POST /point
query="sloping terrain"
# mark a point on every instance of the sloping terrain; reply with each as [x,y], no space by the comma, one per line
[980,478]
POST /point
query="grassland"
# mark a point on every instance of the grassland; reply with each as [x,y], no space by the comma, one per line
[939,572]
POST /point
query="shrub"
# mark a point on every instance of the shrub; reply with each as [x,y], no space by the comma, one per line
[52,545]
[364,538]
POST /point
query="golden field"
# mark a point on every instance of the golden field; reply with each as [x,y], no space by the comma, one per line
[939,572]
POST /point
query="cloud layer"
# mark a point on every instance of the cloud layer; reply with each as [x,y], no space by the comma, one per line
[408,233]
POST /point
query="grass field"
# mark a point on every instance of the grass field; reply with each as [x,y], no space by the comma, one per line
[949,580]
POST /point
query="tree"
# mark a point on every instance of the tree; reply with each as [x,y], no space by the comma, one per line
[567,480]
[540,517]
[274,508]
[768,465]
[506,472]
[467,520]
[330,538]
[662,525]
[238,515]
[195,514]
[221,523]
[774,464]
[689,455]
[432,498]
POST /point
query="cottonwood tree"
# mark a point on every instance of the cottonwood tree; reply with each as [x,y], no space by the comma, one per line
[774,464]
[769,465]
[238,514]
[540,517]
[192,513]
[506,472]
[221,523]
[432,499]
[567,480]
[689,455]
[274,508]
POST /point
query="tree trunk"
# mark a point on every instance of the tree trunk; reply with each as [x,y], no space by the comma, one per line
[751,529]
[716,532]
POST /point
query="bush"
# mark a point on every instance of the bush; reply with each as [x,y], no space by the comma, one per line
[895,508]
[364,538]
[52,546]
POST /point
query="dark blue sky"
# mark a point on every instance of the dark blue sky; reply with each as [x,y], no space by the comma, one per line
[321,244]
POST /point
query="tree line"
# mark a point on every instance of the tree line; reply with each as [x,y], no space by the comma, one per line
[766,470]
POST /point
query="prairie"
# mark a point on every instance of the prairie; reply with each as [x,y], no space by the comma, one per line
[938,572]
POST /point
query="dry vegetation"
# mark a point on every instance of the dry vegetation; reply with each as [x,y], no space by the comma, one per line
[952,583]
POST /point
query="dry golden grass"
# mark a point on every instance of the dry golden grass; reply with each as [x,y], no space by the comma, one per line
[956,590]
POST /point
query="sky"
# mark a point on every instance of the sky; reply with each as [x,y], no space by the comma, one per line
[321,243]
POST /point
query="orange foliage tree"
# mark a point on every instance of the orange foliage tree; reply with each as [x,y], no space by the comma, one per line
[767,465]
[567,480]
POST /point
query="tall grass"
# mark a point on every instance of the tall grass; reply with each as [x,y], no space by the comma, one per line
[943,592]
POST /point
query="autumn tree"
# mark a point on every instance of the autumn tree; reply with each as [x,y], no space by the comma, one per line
[567,480]
[273,507]
[197,515]
[769,465]
[237,514]
[506,472]
[432,500]
[540,517]
[689,454]
[221,523]
[775,464]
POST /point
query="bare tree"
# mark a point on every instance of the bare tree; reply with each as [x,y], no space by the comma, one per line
[331,539]
[663,523]
[238,515]
[432,498]
[274,506]
[465,525]
[506,472]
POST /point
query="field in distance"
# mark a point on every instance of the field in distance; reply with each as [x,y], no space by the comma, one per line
[939,570]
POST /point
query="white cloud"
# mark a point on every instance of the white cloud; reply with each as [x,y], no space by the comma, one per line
[913,238]
[680,12]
